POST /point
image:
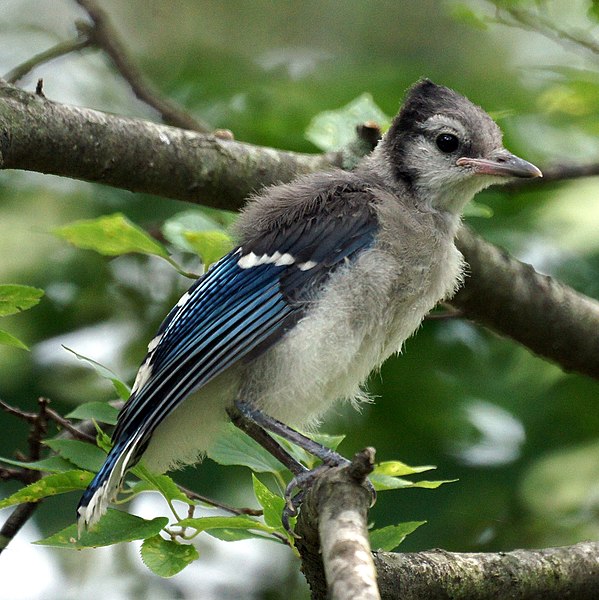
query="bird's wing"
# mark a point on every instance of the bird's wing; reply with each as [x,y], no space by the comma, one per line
[239,308]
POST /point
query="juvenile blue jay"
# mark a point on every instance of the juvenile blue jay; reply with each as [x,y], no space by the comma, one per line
[331,275]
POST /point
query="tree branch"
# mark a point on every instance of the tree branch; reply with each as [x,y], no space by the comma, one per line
[39,135]
[548,574]
[514,300]
[333,533]
[103,35]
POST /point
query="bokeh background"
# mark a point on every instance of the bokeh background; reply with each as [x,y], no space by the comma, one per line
[521,436]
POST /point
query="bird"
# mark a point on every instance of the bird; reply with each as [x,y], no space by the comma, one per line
[330,275]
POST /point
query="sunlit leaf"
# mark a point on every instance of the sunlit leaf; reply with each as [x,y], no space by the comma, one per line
[478,209]
[122,389]
[335,129]
[7,339]
[16,298]
[388,538]
[464,14]
[396,468]
[51,485]
[175,228]
[82,454]
[98,411]
[114,527]
[210,245]
[111,235]
[165,557]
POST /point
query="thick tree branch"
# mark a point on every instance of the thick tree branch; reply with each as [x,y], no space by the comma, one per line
[548,574]
[39,135]
[511,298]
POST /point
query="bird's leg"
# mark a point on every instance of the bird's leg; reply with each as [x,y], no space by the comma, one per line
[257,433]
[254,422]
[326,455]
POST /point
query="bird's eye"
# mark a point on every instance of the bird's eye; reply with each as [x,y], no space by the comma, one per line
[447,142]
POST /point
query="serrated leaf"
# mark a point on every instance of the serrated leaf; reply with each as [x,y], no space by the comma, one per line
[15,298]
[396,468]
[111,235]
[209,245]
[121,388]
[52,464]
[388,538]
[234,447]
[82,454]
[335,129]
[237,522]
[272,505]
[51,485]
[97,411]
[114,527]
[158,483]
[7,339]
[165,557]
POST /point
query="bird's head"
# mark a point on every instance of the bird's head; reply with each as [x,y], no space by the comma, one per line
[447,149]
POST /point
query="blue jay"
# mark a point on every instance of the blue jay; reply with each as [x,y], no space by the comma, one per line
[332,273]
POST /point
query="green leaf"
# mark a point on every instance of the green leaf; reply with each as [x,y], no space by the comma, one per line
[271,504]
[51,485]
[237,522]
[463,13]
[158,483]
[593,11]
[478,209]
[52,464]
[82,454]
[335,129]
[16,298]
[432,485]
[234,447]
[175,228]
[114,527]
[209,245]
[97,411]
[7,339]
[388,538]
[165,557]
[235,535]
[122,389]
[386,482]
[111,235]
[396,468]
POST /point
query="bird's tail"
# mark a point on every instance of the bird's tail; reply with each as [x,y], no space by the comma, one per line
[105,485]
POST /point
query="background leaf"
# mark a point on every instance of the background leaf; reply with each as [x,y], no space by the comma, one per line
[98,411]
[16,298]
[82,454]
[7,339]
[388,538]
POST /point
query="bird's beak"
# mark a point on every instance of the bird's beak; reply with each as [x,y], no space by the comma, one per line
[503,164]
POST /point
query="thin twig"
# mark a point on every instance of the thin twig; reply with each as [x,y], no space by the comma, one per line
[231,509]
[539,23]
[60,49]
[103,35]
